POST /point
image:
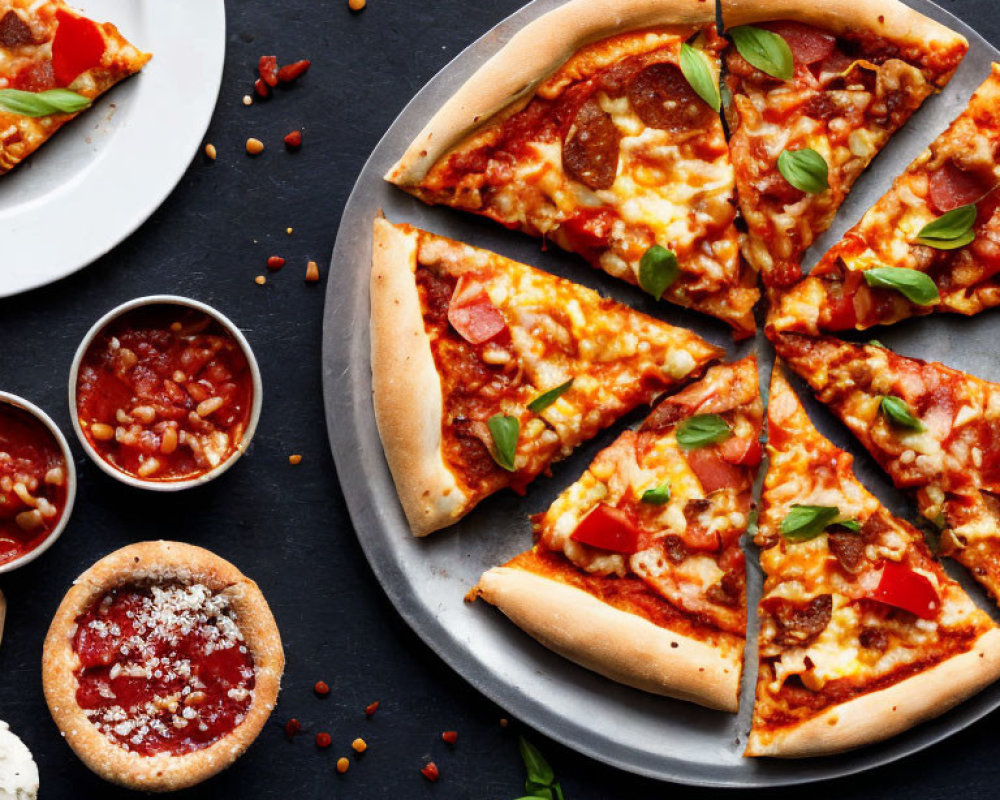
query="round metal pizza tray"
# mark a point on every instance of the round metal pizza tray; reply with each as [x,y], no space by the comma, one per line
[427,579]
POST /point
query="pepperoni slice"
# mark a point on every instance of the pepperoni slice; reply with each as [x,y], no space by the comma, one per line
[14,31]
[951,187]
[662,98]
[741,452]
[473,315]
[986,247]
[808,44]
[590,151]
[713,472]
[77,46]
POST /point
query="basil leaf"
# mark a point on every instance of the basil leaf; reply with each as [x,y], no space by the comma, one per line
[914,285]
[658,269]
[41,104]
[657,496]
[545,399]
[539,771]
[951,230]
[765,50]
[803,523]
[696,70]
[851,524]
[805,169]
[504,431]
[876,343]
[702,430]
[898,411]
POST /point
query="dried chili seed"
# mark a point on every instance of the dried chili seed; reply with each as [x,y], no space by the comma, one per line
[261,88]
[356,5]
[321,688]
[260,280]
[359,745]
[312,272]
[290,72]
[294,459]
[247,100]
[292,727]
[342,765]
[450,737]
[210,151]
[293,140]
[430,772]
[275,262]
[267,66]
[323,740]
[371,709]
[254,146]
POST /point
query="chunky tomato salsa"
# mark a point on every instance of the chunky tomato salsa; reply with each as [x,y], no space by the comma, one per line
[164,393]
[33,483]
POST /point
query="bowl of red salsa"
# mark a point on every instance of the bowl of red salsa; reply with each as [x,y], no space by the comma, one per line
[165,393]
[37,482]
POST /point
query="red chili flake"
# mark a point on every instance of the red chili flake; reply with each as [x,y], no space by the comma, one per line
[261,89]
[276,263]
[290,72]
[323,740]
[267,66]
[430,772]
[294,140]
[450,737]
[292,727]
[321,688]
[371,709]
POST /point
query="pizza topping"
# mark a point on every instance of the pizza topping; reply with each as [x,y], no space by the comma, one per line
[744,451]
[658,495]
[800,623]
[546,399]
[293,71]
[609,528]
[765,50]
[896,410]
[914,285]
[698,73]
[77,46]
[658,270]
[713,471]
[505,432]
[473,315]
[905,588]
[663,98]
[163,668]
[267,68]
[590,151]
[809,45]
[14,31]
[42,104]
[804,522]
[702,430]
[805,169]
[950,187]
[847,548]
[951,230]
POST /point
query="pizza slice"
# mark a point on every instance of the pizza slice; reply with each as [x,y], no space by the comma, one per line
[862,634]
[637,571]
[54,63]
[933,429]
[485,371]
[932,243]
[600,132]
[817,89]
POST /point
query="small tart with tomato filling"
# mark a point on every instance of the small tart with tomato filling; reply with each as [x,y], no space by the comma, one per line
[485,371]
[637,572]
[46,45]
[951,188]
[933,429]
[862,634]
[597,128]
[858,69]
[161,666]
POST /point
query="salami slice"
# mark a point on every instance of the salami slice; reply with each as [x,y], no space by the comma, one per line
[951,187]
[662,98]
[808,44]
[591,148]
[14,31]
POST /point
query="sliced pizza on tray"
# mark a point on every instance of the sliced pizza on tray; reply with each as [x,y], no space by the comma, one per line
[931,244]
[597,128]
[817,89]
[862,634]
[485,371]
[637,571]
[53,63]
[933,429]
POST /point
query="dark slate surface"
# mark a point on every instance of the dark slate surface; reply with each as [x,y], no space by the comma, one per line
[287,526]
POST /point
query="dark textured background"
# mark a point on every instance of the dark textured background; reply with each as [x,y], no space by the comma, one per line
[287,526]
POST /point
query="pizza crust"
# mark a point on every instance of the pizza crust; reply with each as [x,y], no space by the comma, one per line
[888,18]
[160,561]
[882,714]
[407,388]
[621,646]
[531,55]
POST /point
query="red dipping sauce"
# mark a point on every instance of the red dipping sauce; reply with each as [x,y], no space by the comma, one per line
[34,482]
[164,393]
[163,668]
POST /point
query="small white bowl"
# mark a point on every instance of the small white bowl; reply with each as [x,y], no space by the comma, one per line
[258,393]
[30,408]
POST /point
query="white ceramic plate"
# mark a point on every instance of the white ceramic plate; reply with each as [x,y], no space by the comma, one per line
[105,173]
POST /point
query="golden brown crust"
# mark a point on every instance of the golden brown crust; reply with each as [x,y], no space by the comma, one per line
[164,561]
[621,646]
[407,388]
[881,714]
[526,60]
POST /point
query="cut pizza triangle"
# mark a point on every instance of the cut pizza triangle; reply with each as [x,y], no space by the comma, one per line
[859,69]
[955,273]
[933,429]
[862,634]
[637,571]
[584,130]
[46,45]
[485,371]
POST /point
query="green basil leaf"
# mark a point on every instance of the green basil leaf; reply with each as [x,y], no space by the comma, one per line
[41,104]
[504,431]
[539,771]
[803,523]
[545,399]
[914,285]
[898,411]
[658,269]
[698,73]
[657,496]
[851,524]
[951,230]
[702,430]
[876,343]
[765,50]
[805,169]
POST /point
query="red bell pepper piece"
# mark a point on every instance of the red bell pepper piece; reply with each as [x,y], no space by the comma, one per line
[901,587]
[609,528]
[77,46]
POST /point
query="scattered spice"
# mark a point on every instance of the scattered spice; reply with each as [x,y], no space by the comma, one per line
[371,709]
[293,140]
[503,722]
[312,272]
[247,100]
[356,5]
[288,231]
[342,765]
[267,67]
[255,146]
[293,71]
[210,151]
[292,727]
[262,89]
[359,745]
[275,262]
[323,740]
[294,459]
[431,771]
[450,737]
[260,280]
[321,688]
